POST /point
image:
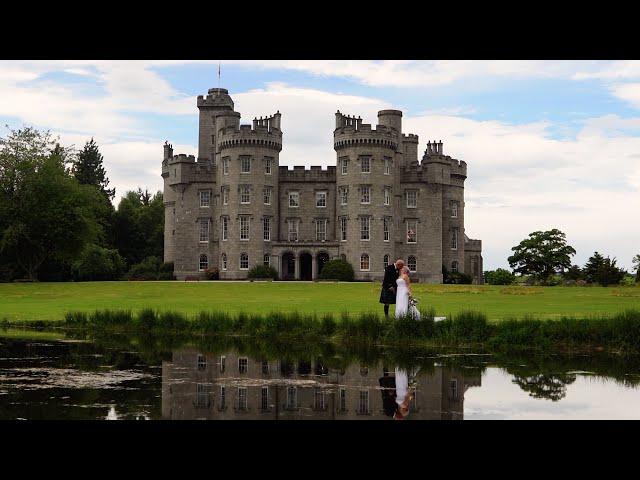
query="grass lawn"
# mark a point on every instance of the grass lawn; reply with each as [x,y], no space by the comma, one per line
[49,301]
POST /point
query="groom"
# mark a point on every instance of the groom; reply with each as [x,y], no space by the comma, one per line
[388,293]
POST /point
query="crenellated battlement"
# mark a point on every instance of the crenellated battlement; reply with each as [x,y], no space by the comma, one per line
[265,133]
[217,98]
[409,138]
[300,174]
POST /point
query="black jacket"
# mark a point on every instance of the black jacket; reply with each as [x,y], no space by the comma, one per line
[390,277]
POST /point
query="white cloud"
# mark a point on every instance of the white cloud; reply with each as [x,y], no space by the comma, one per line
[629,92]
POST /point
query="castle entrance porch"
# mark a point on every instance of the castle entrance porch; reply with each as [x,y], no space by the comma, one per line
[306,266]
[288,268]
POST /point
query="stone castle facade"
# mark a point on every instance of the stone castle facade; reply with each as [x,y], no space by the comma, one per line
[235,207]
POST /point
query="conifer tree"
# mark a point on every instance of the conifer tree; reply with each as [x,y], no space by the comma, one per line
[88,169]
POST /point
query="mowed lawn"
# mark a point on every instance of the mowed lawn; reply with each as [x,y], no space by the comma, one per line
[50,301]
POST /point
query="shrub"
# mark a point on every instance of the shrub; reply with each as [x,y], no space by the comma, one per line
[628,280]
[499,276]
[337,270]
[263,271]
[97,263]
[151,268]
[212,273]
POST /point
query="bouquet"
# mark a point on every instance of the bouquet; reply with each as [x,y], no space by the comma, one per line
[413,302]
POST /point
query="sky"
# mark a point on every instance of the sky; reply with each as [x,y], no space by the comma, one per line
[548,144]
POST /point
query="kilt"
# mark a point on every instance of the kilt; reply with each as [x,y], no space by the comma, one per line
[387,296]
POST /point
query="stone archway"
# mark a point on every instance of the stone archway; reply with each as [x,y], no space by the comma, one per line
[306,266]
[288,266]
[321,259]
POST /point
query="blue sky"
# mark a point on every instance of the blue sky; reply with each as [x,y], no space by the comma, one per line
[547,143]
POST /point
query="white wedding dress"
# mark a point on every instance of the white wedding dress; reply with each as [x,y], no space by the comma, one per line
[402,301]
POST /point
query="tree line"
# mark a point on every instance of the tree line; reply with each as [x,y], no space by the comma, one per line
[57,220]
[544,258]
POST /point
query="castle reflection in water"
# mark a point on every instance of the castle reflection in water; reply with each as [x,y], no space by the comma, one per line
[203,386]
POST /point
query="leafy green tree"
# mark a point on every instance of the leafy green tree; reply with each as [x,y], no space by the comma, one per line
[151,268]
[574,272]
[139,226]
[550,386]
[604,271]
[337,269]
[44,213]
[636,266]
[89,170]
[97,263]
[542,254]
[499,276]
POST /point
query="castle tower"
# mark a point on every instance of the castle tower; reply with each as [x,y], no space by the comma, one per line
[247,179]
[217,102]
[366,179]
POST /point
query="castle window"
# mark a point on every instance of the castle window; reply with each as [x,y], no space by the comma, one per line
[225,195]
[204,230]
[244,261]
[320,399]
[294,199]
[243,363]
[343,229]
[343,257]
[266,260]
[365,164]
[245,194]
[364,262]
[454,209]
[412,231]
[344,195]
[321,199]
[245,164]
[365,194]
[412,198]
[267,195]
[387,196]
[225,166]
[474,265]
[453,388]
[412,263]
[365,224]
[202,362]
[385,262]
[454,239]
[267,165]
[363,402]
[224,261]
[202,395]
[264,400]
[321,229]
[265,368]
[387,166]
[454,266]
[205,199]
[266,229]
[293,230]
[242,398]
[244,228]
[223,364]
[225,228]
[204,263]
[343,399]
[292,397]
[223,398]
[385,227]
[344,164]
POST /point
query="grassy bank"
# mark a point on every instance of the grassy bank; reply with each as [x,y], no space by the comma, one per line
[50,301]
[620,332]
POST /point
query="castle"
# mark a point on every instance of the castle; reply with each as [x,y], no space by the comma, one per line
[234,207]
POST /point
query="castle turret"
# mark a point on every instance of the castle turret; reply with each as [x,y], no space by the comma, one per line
[215,103]
[248,157]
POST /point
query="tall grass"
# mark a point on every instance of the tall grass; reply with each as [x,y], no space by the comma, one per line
[621,331]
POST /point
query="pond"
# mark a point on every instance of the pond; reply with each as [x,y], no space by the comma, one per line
[61,376]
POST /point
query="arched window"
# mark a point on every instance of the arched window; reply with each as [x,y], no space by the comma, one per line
[385,262]
[204,263]
[412,263]
[364,262]
[224,261]
[244,261]
[266,259]
[454,266]
[343,257]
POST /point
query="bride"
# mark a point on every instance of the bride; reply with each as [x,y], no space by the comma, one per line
[403,292]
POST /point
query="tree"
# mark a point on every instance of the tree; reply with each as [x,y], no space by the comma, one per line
[88,169]
[604,271]
[139,226]
[500,276]
[542,254]
[636,266]
[44,212]
[97,263]
[574,272]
